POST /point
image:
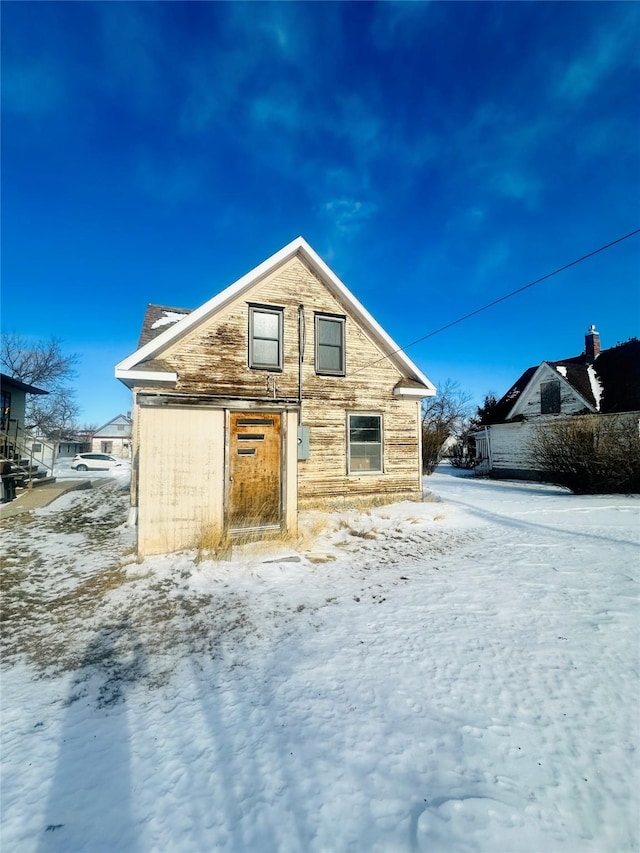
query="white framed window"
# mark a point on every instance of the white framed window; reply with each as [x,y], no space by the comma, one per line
[330,344]
[265,337]
[365,442]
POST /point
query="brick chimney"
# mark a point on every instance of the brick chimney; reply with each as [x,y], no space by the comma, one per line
[591,345]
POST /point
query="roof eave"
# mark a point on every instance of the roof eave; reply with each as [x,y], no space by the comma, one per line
[21,386]
[297,246]
[417,393]
[146,377]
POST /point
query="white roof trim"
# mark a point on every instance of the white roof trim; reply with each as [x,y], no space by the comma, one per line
[128,376]
[413,392]
[297,246]
[546,367]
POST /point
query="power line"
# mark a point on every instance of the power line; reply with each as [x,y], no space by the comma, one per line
[502,299]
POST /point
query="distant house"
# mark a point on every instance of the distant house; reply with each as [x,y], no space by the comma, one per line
[603,382]
[280,393]
[114,437]
[47,451]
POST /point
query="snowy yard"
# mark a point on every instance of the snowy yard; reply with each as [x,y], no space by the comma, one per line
[457,675]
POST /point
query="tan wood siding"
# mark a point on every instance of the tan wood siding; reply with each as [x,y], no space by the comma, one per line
[181,477]
[212,360]
[324,477]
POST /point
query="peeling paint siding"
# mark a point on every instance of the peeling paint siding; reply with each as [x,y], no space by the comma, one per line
[510,446]
[570,402]
[324,474]
[213,359]
[181,477]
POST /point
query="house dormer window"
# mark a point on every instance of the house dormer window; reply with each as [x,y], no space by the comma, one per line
[265,337]
[330,344]
[550,397]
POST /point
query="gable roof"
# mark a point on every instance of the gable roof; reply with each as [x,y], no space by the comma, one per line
[610,384]
[128,421]
[156,319]
[152,345]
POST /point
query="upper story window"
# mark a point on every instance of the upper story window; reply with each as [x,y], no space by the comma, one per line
[265,337]
[330,344]
[365,444]
[550,397]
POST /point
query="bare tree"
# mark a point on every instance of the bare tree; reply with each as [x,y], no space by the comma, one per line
[443,416]
[45,366]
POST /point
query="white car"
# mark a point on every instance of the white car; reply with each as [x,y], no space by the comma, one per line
[94,462]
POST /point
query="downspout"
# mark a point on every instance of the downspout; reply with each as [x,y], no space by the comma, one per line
[301,343]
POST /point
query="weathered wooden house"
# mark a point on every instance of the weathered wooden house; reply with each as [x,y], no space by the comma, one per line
[280,393]
[603,382]
[114,437]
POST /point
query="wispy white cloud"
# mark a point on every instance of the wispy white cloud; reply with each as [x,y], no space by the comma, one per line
[132,43]
[359,120]
[280,111]
[32,88]
[612,47]
[170,182]
[518,185]
[348,215]
[494,258]
[496,151]
[397,24]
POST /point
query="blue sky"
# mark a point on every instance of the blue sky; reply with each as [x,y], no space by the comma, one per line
[436,155]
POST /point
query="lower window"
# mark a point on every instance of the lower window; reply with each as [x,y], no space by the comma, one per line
[365,444]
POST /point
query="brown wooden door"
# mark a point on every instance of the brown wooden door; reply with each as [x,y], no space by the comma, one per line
[254,497]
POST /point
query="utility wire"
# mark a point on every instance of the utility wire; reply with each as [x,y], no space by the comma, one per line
[502,299]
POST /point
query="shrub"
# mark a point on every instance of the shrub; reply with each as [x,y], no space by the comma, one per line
[590,454]
[462,454]
[433,440]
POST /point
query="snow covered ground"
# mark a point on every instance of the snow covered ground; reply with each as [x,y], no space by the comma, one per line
[457,675]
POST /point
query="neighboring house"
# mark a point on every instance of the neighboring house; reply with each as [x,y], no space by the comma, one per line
[114,437]
[47,450]
[604,382]
[16,441]
[280,393]
[13,394]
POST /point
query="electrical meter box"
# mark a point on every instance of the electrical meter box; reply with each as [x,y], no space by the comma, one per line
[303,442]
